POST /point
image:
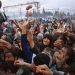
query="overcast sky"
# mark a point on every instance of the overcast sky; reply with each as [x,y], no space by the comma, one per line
[63,5]
[48,4]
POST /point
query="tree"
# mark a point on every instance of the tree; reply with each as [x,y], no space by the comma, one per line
[34,13]
[50,13]
[61,15]
[64,13]
[43,11]
[74,15]
[68,14]
[26,14]
[56,14]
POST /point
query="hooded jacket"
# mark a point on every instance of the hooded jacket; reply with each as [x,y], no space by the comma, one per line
[42,46]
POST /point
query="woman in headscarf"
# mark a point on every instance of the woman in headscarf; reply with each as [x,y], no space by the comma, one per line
[47,42]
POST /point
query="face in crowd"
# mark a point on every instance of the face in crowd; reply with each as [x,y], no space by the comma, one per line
[10,56]
[65,52]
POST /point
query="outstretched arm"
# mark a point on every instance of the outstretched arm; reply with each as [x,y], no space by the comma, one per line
[21,63]
[12,48]
[25,44]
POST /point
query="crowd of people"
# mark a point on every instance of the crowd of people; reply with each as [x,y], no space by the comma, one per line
[27,48]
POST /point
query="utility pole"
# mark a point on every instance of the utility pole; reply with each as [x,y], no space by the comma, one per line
[38,6]
[20,13]
[14,15]
[34,2]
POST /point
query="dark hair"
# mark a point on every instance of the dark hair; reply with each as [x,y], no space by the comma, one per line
[56,36]
[8,39]
[9,65]
[70,53]
[7,51]
[71,69]
[49,49]
[50,37]
[61,37]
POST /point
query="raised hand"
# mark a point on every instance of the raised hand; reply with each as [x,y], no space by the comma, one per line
[29,36]
[17,24]
[30,39]
[44,70]
[5,44]
[65,67]
[23,27]
[19,62]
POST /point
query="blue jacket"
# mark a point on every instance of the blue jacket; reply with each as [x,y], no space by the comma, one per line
[26,48]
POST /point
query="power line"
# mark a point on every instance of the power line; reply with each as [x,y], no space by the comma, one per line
[36,3]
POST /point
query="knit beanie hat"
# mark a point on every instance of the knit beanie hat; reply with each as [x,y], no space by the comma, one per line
[43,58]
[40,34]
[17,36]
